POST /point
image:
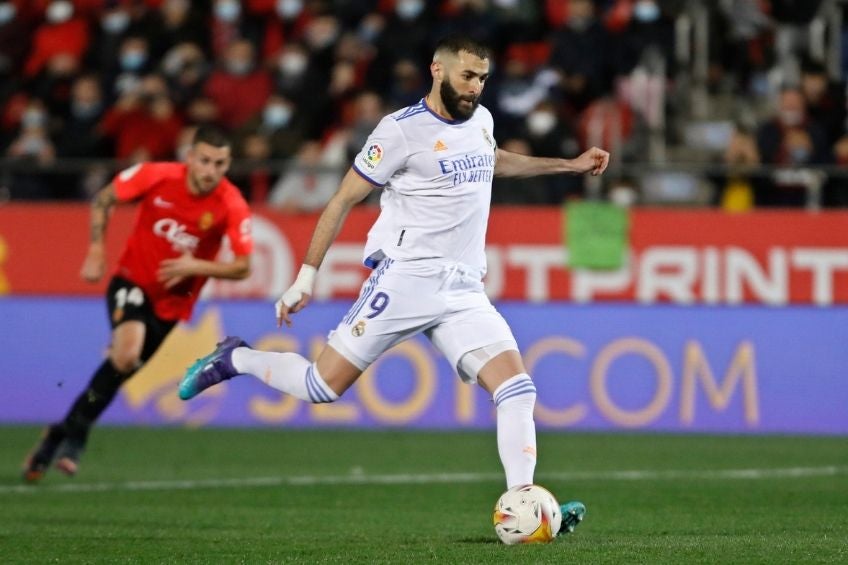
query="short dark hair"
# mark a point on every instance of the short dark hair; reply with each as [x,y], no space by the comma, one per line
[455,43]
[211,135]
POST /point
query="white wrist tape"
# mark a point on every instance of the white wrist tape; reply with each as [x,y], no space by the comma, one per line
[302,285]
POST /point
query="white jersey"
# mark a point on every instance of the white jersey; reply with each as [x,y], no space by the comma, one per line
[436,176]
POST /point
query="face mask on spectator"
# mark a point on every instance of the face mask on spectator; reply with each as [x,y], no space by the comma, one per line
[409,9]
[85,110]
[239,67]
[645,11]
[227,11]
[289,9]
[799,155]
[293,64]
[116,22]
[276,116]
[33,118]
[59,12]
[541,122]
[368,32]
[133,60]
[7,12]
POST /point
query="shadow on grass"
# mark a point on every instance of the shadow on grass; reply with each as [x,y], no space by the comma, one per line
[480,540]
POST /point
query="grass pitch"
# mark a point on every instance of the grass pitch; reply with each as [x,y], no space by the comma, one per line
[269,496]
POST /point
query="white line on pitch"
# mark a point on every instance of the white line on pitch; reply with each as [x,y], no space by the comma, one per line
[359,478]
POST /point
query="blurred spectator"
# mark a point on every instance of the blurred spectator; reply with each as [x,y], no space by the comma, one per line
[32,145]
[185,67]
[825,101]
[791,139]
[280,123]
[295,77]
[80,136]
[516,90]
[15,35]
[583,78]
[407,86]
[62,36]
[549,136]
[742,41]
[647,27]
[144,123]
[178,22]
[125,72]
[254,176]
[308,186]
[320,37]
[738,190]
[404,35]
[229,24]
[113,26]
[286,23]
[238,88]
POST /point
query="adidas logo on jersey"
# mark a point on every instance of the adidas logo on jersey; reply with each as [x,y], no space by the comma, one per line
[440,146]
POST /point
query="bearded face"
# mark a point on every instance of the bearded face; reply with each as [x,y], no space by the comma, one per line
[459,106]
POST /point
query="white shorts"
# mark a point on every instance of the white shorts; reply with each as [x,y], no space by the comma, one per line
[402,299]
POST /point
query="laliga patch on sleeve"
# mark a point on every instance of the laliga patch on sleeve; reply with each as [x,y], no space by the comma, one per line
[372,156]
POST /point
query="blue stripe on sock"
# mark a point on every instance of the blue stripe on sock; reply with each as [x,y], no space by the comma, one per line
[316,393]
[521,386]
[502,397]
[517,384]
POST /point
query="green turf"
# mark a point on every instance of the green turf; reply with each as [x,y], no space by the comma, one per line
[142,515]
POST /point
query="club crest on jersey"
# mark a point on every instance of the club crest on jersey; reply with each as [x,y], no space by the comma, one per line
[206,220]
[373,156]
[358,329]
[488,138]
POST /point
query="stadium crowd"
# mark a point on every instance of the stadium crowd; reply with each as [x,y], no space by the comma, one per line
[299,84]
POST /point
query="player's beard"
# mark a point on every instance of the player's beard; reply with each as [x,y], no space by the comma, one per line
[204,185]
[451,99]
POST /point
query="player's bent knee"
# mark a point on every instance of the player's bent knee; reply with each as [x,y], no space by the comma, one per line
[336,367]
[125,362]
[491,365]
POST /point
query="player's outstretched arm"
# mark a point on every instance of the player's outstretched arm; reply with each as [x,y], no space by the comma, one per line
[508,164]
[94,264]
[352,191]
[174,271]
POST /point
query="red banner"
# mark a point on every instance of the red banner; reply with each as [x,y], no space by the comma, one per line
[677,256]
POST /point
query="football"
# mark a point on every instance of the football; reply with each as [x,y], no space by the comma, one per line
[527,514]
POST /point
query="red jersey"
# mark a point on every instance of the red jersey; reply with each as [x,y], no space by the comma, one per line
[171,221]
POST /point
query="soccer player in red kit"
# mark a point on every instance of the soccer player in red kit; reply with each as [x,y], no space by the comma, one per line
[185,210]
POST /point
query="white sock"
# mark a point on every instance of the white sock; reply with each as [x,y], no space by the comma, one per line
[287,372]
[515,399]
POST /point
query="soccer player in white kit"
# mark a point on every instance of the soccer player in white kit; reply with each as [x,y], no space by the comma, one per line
[434,161]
